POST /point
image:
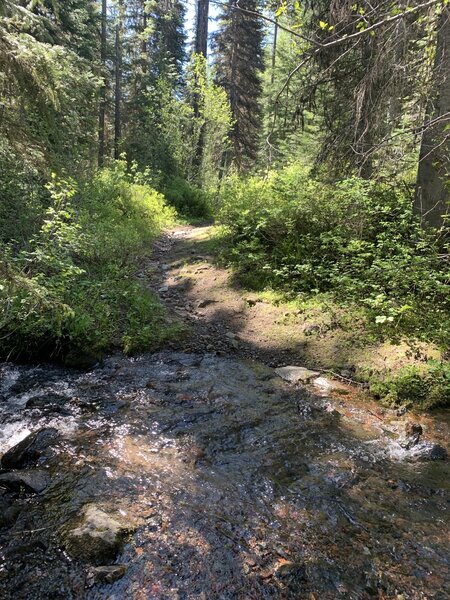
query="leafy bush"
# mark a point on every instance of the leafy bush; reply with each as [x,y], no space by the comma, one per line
[22,196]
[426,387]
[356,239]
[71,289]
[188,200]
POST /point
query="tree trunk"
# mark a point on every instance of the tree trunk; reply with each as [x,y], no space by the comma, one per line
[274,51]
[201,48]
[102,111]
[201,29]
[144,41]
[432,191]
[118,90]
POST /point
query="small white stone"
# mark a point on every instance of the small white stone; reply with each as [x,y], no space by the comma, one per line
[296,374]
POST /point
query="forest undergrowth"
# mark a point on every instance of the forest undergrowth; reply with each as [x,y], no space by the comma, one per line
[68,288]
[352,248]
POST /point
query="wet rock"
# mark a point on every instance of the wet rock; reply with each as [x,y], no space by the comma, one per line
[51,404]
[296,374]
[98,537]
[27,481]
[29,449]
[412,434]
[163,289]
[107,574]
[425,451]
[8,512]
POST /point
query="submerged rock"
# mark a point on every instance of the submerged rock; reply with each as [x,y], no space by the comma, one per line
[107,574]
[98,537]
[28,481]
[424,451]
[29,449]
[296,374]
[8,512]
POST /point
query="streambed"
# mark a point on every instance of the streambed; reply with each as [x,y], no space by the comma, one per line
[230,483]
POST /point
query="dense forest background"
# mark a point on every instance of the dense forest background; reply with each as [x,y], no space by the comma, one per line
[315,133]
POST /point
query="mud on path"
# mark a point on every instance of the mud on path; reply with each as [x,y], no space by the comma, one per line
[197,473]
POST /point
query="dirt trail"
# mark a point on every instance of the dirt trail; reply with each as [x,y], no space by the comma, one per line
[220,316]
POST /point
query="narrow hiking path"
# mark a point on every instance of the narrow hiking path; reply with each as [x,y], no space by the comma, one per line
[197,473]
[223,317]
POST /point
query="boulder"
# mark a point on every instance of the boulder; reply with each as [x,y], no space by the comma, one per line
[412,434]
[34,481]
[296,374]
[324,384]
[50,403]
[97,538]
[29,449]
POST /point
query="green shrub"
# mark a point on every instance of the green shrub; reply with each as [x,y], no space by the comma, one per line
[356,239]
[72,288]
[189,201]
[426,387]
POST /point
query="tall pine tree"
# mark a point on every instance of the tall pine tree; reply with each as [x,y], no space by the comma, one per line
[239,63]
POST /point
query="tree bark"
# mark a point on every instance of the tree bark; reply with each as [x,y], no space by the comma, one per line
[201,28]
[200,48]
[274,51]
[118,90]
[102,108]
[432,191]
[144,27]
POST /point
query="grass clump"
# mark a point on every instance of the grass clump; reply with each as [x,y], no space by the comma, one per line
[70,290]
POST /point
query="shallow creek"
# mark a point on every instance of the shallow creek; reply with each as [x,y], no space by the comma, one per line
[235,485]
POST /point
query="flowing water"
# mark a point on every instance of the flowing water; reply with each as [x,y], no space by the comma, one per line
[235,484]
